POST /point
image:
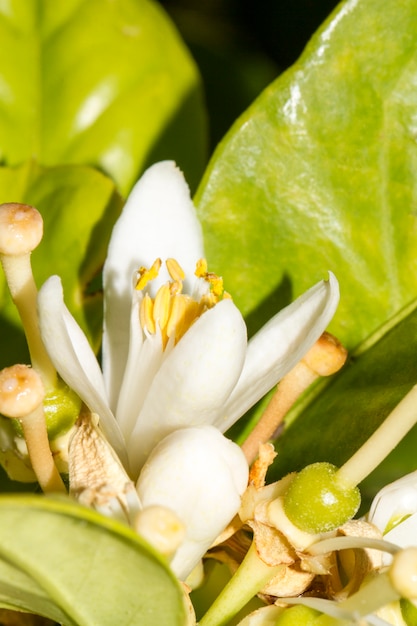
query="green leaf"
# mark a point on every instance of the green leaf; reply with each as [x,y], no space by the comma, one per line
[98,82]
[79,206]
[79,568]
[320,174]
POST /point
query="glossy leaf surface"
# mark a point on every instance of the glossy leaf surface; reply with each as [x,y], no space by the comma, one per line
[80,568]
[319,174]
[97,82]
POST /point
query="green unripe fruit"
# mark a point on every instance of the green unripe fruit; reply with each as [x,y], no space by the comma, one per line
[408,612]
[297,616]
[317,502]
[62,408]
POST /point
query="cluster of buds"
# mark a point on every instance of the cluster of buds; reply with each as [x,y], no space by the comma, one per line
[33,396]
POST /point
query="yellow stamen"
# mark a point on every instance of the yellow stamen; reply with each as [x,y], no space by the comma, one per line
[191,313]
[175,287]
[201,268]
[177,314]
[216,283]
[172,311]
[175,270]
[146,275]
[209,300]
[146,314]
[184,312]
[162,306]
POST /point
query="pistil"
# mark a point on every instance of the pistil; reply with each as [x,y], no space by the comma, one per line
[21,397]
[21,229]
[392,430]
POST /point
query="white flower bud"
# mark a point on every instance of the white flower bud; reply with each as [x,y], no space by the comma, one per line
[200,475]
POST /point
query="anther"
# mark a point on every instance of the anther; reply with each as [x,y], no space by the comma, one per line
[201,268]
[21,229]
[21,397]
[175,270]
[146,275]
[175,287]
[146,314]
[161,306]
[177,315]
[216,284]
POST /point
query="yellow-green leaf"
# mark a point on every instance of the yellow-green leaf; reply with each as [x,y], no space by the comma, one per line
[68,563]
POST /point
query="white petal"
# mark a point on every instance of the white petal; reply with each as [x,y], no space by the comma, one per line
[396,500]
[143,364]
[194,381]
[200,475]
[158,220]
[279,345]
[73,357]
[403,535]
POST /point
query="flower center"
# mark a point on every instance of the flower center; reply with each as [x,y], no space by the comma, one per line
[172,311]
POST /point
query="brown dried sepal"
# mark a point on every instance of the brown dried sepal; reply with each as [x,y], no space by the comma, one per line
[95,473]
[232,551]
[355,564]
[271,546]
[260,466]
[291,581]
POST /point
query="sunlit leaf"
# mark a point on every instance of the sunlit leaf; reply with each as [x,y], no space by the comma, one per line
[68,563]
[320,174]
[97,82]
[79,206]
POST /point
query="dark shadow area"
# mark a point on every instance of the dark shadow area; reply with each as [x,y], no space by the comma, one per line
[241,46]
[13,486]
[283,26]
[90,273]
[13,344]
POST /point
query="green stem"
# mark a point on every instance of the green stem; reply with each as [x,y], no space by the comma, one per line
[23,290]
[252,575]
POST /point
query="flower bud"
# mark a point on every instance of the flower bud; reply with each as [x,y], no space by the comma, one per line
[21,229]
[200,475]
[21,391]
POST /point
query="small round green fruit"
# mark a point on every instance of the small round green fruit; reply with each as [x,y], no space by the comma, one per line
[317,502]
[62,408]
[298,615]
